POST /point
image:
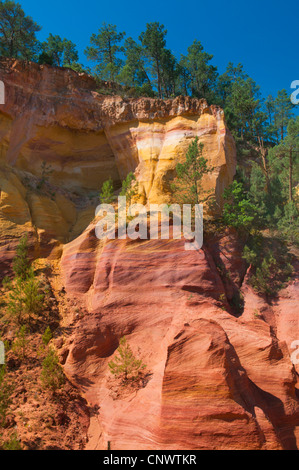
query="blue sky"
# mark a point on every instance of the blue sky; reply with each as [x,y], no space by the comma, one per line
[262,35]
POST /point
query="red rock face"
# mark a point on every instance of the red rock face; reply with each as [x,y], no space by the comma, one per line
[216,381]
[217,377]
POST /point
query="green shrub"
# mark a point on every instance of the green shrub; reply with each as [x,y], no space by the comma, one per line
[13,443]
[271,264]
[52,376]
[47,336]
[6,283]
[129,187]
[187,187]
[21,343]
[107,192]
[21,263]
[5,391]
[25,298]
[125,365]
[238,211]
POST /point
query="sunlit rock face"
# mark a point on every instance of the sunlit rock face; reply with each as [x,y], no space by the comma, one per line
[54,115]
[217,380]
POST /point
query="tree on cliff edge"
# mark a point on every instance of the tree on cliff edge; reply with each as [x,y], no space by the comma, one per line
[104,50]
[63,52]
[17,32]
[154,42]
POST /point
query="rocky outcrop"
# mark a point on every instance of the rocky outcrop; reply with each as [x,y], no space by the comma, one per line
[215,381]
[217,377]
[54,115]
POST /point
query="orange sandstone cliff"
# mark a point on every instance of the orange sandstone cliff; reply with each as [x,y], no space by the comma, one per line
[217,379]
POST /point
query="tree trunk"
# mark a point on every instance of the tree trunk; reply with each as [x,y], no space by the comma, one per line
[263,152]
[291,174]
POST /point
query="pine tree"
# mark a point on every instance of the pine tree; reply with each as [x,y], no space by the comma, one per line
[187,186]
[47,336]
[153,40]
[107,192]
[21,343]
[203,75]
[283,112]
[129,187]
[21,263]
[125,365]
[135,72]
[52,376]
[62,52]
[105,49]
[17,32]
[5,391]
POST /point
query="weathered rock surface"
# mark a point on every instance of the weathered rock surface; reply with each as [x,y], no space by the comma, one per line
[216,381]
[55,116]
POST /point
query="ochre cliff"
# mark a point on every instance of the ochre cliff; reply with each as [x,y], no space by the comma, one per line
[55,116]
[216,379]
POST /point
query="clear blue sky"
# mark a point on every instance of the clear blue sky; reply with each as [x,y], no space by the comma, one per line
[261,34]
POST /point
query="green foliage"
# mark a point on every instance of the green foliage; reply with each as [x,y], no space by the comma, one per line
[288,223]
[13,443]
[6,282]
[274,182]
[105,50]
[202,75]
[17,32]
[187,186]
[129,187]
[25,298]
[125,365]
[135,71]
[281,111]
[238,211]
[60,52]
[47,336]
[21,343]
[107,192]
[45,58]
[52,376]
[153,40]
[21,263]
[270,263]
[5,391]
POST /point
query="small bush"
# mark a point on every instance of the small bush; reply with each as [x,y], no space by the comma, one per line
[25,298]
[125,365]
[47,336]
[20,345]
[271,265]
[21,263]
[107,192]
[5,391]
[238,211]
[129,187]
[12,444]
[52,376]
